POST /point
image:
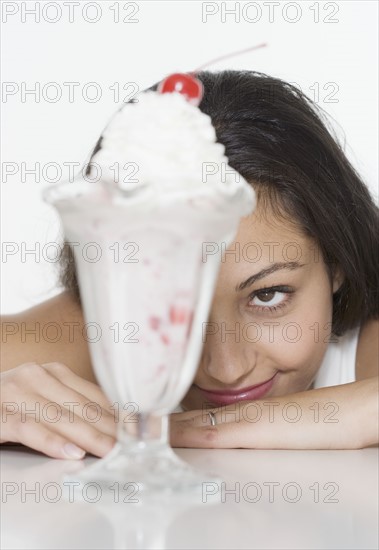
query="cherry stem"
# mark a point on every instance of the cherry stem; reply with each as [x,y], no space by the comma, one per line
[217,59]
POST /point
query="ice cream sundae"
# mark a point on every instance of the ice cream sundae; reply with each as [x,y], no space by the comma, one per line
[163,194]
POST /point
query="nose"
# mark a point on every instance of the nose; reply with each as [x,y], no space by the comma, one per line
[227,358]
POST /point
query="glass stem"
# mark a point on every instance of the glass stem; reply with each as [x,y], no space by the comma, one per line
[143,431]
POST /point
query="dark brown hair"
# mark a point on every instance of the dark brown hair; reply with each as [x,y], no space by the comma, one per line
[280,142]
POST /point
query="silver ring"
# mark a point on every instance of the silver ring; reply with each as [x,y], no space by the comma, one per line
[212,418]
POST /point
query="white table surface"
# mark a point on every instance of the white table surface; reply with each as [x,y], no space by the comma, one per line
[342,514]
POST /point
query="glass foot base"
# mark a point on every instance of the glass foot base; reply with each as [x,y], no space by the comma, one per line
[135,472]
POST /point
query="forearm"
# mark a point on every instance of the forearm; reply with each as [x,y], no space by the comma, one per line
[338,417]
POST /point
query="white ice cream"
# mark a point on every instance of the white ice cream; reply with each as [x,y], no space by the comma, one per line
[162,285]
[171,141]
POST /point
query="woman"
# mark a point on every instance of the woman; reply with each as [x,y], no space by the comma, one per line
[290,357]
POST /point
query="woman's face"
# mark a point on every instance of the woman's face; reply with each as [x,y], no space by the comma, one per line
[270,318]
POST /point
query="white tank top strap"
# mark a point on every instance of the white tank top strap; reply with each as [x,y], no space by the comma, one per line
[338,364]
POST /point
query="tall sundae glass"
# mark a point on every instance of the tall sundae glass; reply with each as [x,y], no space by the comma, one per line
[145,273]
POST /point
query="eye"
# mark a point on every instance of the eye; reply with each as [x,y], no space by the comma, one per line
[270,299]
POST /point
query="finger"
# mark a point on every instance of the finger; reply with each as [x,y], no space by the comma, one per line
[192,418]
[206,417]
[40,438]
[77,404]
[219,415]
[75,382]
[40,414]
[85,435]
[227,435]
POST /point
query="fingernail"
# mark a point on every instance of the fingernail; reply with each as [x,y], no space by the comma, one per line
[72,451]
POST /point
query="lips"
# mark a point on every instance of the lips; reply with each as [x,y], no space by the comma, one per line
[226,397]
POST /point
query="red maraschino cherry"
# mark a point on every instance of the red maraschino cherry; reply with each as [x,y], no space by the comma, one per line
[185,84]
[188,85]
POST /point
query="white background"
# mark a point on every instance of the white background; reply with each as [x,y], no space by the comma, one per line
[340,48]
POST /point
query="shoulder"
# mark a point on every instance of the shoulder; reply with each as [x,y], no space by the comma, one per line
[367,356]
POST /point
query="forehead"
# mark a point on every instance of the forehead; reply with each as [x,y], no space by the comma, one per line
[262,240]
[269,232]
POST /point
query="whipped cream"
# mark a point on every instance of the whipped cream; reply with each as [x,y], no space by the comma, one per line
[163,141]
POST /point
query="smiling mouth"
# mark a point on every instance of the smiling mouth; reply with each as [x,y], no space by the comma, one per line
[225,397]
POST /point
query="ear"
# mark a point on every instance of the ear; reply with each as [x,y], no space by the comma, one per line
[337,279]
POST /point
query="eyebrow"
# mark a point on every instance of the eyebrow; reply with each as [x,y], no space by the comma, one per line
[267,271]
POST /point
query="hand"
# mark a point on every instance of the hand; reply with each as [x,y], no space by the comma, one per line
[245,424]
[47,407]
[337,417]
[230,426]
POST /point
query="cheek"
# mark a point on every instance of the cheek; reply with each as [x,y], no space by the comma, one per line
[292,342]
[296,352]
[295,349]
[298,341]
